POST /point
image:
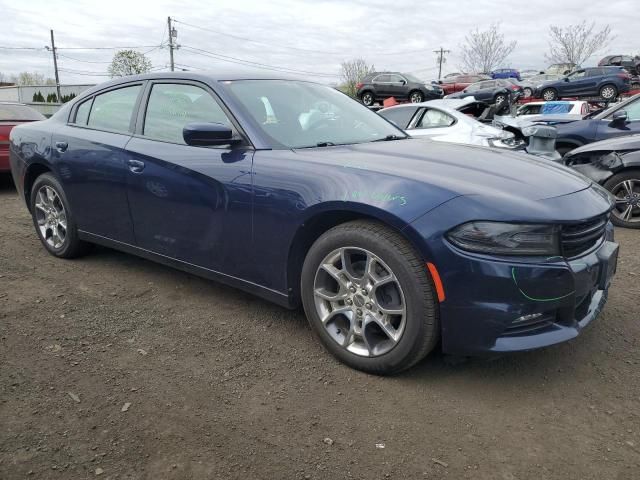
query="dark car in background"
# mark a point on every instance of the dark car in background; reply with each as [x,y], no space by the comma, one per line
[379,86]
[615,164]
[491,91]
[618,120]
[293,191]
[631,64]
[458,83]
[604,82]
[506,73]
[12,114]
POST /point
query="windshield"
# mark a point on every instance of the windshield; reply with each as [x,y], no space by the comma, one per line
[297,114]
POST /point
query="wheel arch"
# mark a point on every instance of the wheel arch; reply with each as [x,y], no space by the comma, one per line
[31,174]
[320,222]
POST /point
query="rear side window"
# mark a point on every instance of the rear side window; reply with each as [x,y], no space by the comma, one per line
[113,110]
[400,116]
[82,113]
[171,106]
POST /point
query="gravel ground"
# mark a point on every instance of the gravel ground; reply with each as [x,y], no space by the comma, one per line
[116,367]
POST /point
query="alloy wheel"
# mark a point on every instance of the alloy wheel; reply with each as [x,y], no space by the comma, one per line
[51,217]
[367,99]
[527,92]
[608,93]
[500,99]
[360,302]
[627,195]
[416,97]
[549,95]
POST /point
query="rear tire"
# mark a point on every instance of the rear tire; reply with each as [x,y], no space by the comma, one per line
[549,95]
[625,186]
[608,93]
[398,282]
[53,219]
[528,92]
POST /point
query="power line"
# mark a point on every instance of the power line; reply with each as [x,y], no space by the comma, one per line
[240,61]
[305,50]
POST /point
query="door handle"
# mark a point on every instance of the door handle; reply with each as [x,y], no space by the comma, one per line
[62,146]
[136,166]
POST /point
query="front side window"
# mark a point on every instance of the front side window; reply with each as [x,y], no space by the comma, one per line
[400,116]
[298,114]
[113,110]
[172,105]
[633,110]
[577,75]
[435,119]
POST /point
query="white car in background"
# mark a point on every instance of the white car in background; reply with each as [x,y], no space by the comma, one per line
[573,107]
[441,121]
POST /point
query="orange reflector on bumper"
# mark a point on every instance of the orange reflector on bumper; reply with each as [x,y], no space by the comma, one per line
[436,281]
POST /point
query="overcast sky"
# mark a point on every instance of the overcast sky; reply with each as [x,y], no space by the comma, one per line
[303,35]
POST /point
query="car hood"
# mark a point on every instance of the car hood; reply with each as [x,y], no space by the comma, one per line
[628,142]
[456,169]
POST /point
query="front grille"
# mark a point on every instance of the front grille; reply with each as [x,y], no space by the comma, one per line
[578,238]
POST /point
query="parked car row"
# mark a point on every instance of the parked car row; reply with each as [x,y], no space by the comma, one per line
[391,244]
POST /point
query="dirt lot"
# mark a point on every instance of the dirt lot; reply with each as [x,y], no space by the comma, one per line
[219,384]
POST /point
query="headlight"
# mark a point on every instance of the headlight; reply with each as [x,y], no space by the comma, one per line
[507,238]
[510,142]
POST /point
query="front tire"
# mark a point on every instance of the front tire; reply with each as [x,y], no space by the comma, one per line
[367,99]
[53,219]
[625,186]
[416,97]
[369,299]
[499,99]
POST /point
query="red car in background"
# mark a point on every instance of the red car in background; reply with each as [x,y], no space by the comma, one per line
[460,82]
[12,114]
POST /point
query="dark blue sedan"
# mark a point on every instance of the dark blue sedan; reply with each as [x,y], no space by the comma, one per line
[293,191]
[604,82]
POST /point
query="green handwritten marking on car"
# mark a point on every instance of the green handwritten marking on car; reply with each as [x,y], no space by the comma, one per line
[375,197]
[551,299]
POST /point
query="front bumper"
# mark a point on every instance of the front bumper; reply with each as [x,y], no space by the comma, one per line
[509,304]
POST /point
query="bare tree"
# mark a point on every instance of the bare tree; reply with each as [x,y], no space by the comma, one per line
[352,72]
[129,62]
[486,50]
[31,78]
[576,43]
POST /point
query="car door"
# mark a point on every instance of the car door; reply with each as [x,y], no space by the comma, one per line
[606,129]
[580,82]
[485,90]
[398,86]
[189,203]
[433,123]
[383,85]
[91,160]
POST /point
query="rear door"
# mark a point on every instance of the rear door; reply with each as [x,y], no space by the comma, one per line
[189,203]
[486,90]
[90,158]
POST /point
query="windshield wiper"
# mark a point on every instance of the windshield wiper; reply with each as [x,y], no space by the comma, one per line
[388,138]
[325,144]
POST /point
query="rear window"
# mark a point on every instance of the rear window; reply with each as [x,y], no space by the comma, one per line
[19,113]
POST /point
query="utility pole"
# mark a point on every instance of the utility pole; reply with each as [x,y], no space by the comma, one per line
[441,59]
[172,33]
[55,67]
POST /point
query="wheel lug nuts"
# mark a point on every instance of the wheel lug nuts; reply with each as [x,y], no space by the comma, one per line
[364,291]
[349,301]
[359,312]
[368,305]
[353,289]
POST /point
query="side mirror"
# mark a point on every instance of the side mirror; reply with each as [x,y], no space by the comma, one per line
[566,79]
[620,118]
[403,82]
[207,134]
